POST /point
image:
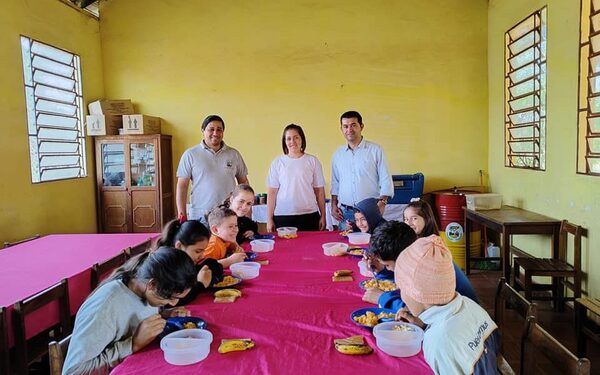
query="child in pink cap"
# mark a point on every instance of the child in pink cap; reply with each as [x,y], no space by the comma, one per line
[460,337]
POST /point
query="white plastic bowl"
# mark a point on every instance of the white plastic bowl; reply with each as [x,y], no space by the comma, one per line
[362,266]
[398,343]
[287,232]
[262,246]
[186,346]
[245,270]
[334,248]
[359,238]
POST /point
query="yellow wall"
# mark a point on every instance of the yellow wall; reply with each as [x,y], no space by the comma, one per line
[557,192]
[416,70]
[51,207]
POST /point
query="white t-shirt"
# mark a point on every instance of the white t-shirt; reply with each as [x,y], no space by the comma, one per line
[296,180]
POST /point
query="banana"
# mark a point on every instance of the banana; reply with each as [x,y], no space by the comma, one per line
[228,293]
[353,349]
[342,273]
[235,345]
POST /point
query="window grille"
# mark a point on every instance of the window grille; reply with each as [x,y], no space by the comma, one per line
[525,93]
[54,112]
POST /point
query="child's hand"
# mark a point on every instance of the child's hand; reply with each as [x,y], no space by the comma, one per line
[237,257]
[374,264]
[372,295]
[248,234]
[204,276]
[146,331]
[404,315]
[175,311]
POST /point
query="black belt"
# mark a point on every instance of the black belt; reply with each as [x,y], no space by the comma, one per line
[346,207]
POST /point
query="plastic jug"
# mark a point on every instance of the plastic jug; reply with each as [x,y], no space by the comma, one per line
[493,252]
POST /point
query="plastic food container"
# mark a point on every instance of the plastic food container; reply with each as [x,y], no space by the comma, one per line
[398,339]
[287,232]
[245,270]
[186,346]
[262,246]
[362,266]
[334,248]
[487,201]
[359,238]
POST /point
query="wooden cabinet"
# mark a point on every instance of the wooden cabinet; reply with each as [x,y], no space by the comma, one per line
[134,178]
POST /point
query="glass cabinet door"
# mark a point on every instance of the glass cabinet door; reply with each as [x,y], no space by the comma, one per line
[143,167]
[113,164]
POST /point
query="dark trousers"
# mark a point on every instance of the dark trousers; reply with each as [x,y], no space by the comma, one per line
[306,222]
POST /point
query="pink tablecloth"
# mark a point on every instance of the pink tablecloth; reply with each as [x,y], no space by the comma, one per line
[293,311]
[33,266]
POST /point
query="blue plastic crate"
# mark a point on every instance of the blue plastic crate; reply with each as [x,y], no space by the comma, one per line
[406,187]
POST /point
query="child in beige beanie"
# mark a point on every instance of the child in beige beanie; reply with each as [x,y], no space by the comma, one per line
[460,337]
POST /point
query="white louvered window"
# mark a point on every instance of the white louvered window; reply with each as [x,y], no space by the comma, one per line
[54,100]
[588,122]
[525,93]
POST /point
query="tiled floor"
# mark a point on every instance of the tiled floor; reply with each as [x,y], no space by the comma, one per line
[560,325]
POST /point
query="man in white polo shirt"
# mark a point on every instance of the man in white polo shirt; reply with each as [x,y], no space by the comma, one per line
[358,171]
[213,167]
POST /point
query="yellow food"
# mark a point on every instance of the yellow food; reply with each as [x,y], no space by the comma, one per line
[288,236]
[403,328]
[345,232]
[384,315]
[228,293]
[368,319]
[234,345]
[356,251]
[227,281]
[342,273]
[352,349]
[385,285]
[189,325]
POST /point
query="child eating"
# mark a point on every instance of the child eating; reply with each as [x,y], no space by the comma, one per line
[222,245]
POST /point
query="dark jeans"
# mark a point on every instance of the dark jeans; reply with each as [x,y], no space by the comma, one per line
[306,222]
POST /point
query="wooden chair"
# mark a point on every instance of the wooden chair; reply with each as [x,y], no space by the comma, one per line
[99,270]
[4,358]
[138,249]
[537,341]
[28,350]
[57,351]
[9,244]
[584,327]
[559,269]
[506,296]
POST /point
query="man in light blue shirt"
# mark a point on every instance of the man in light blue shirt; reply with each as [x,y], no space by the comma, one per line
[358,171]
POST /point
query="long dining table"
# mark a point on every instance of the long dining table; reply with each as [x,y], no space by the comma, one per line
[31,267]
[292,311]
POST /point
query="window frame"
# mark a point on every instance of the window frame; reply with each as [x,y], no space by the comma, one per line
[538,93]
[48,148]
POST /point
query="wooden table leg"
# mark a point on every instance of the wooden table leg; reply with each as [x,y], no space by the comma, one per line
[580,317]
[506,253]
[468,225]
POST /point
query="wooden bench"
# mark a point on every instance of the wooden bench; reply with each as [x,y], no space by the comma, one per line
[585,327]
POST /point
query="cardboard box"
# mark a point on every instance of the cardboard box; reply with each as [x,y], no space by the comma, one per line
[111,107]
[141,124]
[103,124]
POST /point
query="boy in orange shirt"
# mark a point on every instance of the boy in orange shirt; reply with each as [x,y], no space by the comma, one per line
[222,245]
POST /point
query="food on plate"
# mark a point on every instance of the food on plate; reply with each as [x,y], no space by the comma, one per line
[356,251]
[227,281]
[190,325]
[233,345]
[353,345]
[403,328]
[385,285]
[228,293]
[346,232]
[370,319]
